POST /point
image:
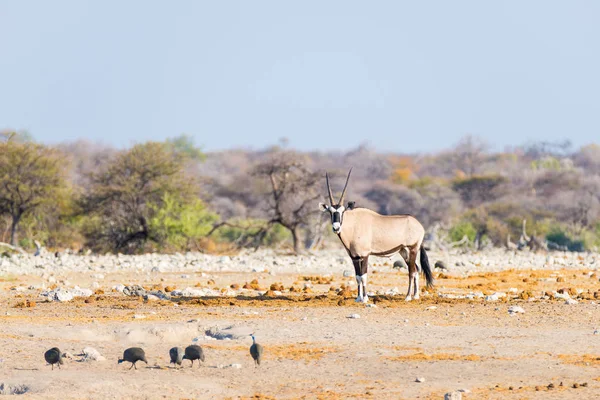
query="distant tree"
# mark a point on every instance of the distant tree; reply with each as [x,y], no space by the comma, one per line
[31,176]
[184,145]
[20,136]
[468,154]
[126,194]
[478,189]
[291,191]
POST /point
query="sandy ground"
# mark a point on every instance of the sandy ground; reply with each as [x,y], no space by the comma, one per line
[312,349]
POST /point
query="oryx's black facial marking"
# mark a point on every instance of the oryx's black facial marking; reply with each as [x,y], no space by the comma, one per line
[337,217]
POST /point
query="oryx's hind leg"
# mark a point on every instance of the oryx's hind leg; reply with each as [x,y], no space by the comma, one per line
[361,265]
[413,274]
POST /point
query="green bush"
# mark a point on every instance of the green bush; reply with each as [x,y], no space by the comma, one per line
[461,229]
[176,223]
[246,228]
[560,237]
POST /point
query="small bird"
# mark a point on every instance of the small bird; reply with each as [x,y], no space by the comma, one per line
[133,355]
[176,354]
[53,356]
[256,351]
[194,352]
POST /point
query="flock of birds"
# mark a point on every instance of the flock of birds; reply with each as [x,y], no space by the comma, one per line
[177,355]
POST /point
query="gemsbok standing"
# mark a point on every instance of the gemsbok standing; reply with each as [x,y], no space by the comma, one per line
[364,233]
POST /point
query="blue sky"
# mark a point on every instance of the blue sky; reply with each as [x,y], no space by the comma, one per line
[402,76]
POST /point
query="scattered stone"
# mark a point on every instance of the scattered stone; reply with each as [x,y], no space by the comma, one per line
[354,316]
[453,396]
[431,308]
[399,264]
[420,380]
[8,389]
[513,310]
[229,333]
[91,354]
[571,301]
[235,366]
[347,273]
[139,316]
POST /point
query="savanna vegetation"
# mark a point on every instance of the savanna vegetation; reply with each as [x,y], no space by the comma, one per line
[171,196]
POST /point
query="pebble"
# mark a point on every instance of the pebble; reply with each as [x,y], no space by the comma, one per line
[347,274]
[512,310]
[91,354]
[453,396]
[420,380]
[571,301]
[354,316]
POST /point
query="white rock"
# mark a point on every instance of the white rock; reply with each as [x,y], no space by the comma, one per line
[420,380]
[492,297]
[512,310]
[347,273]
[571,301]
[91,354]
[119,288]
[139,316]
[354,316]
[431,308]
[453,396]
[236,366]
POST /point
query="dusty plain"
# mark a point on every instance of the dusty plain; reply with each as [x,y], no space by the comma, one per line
[454,337]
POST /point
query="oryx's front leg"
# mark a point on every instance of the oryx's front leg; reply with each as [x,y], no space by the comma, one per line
[361,265]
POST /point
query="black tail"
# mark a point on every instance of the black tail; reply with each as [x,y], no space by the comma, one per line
[426,268]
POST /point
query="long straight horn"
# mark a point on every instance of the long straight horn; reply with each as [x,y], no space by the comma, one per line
[329,189]
[345,186]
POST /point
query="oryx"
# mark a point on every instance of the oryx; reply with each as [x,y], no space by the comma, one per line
[364,232]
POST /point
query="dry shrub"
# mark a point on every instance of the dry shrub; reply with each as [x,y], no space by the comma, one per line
[99,291]
[420,356]
[169,289]
[252,285]
[277,286]
[25,304]
[345,292]
[582,360]
[526,294]
[320,280]
[234,286]
[302,351]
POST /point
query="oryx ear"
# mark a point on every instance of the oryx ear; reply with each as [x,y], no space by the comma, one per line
[351,205]
[323,207]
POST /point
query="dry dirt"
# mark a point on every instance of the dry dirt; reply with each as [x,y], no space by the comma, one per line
[312,349]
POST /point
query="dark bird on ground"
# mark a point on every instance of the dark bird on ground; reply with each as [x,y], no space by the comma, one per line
[176,354]
[440,264]
[194,352]
[256,351]
[53,356]
[133,355]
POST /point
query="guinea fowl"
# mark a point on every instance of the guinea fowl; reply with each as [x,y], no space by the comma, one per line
[53,356]
[256,351]
[133,355]
[176,354]
[194,352]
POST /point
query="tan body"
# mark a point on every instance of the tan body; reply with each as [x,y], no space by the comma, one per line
[366,233]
